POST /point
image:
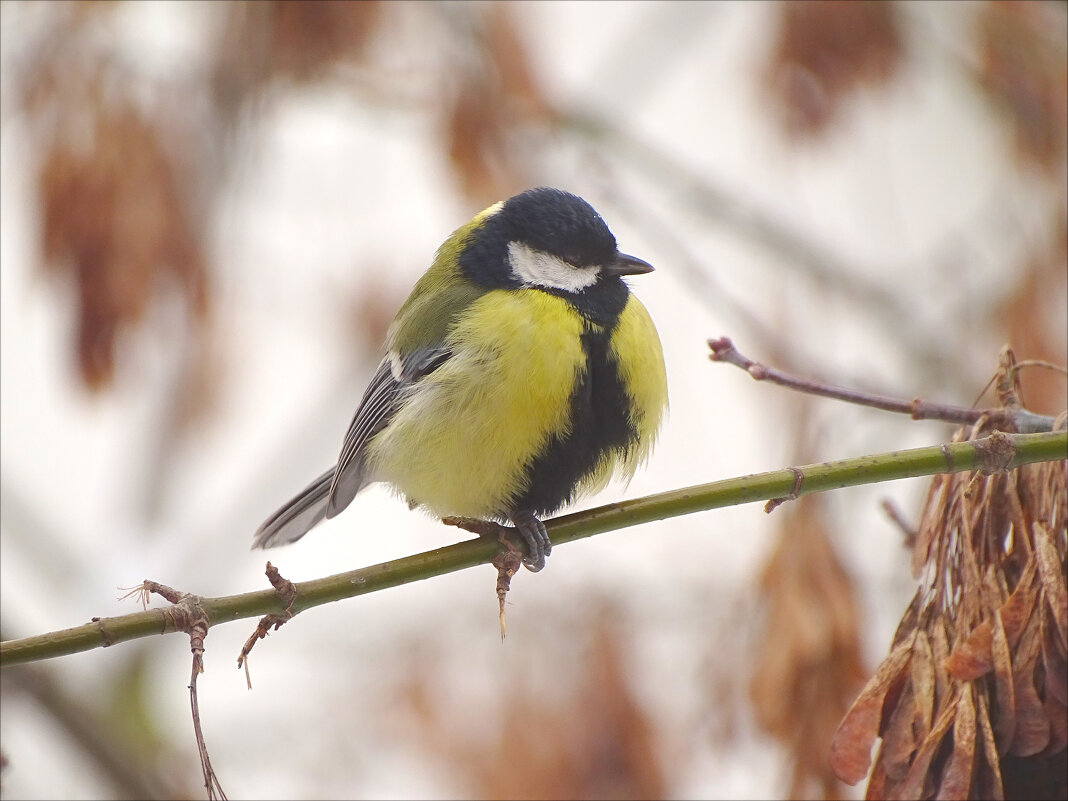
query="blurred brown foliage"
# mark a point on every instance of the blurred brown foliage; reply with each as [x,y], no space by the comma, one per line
[825,50]
[972,700]
[491,107]
[119,174]
[1043,282]
[1024,70]
[300,40]
[808,665]
[590,739]
[114,220]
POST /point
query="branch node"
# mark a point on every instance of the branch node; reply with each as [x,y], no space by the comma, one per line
[108,642]
[286,590]
[774,503]
[507,562]
[947,454]
[996,453]
[186,614]
[507,536]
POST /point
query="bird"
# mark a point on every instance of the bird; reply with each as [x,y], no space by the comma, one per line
[520,374]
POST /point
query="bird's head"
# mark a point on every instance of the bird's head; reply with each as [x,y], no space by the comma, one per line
[551,240]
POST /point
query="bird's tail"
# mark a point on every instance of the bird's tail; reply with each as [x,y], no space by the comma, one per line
[296,518]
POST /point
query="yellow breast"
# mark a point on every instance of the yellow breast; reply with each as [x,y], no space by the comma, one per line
[460,444]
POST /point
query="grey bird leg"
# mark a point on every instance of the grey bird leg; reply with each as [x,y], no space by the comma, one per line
[536,537]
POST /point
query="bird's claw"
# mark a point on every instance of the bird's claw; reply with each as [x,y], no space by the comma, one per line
[527,536]
[536,538]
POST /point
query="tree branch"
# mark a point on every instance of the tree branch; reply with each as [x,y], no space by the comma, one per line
[1009,417]
[990,454]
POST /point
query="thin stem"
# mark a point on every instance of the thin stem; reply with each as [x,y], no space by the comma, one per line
[1012,419]
[993,453]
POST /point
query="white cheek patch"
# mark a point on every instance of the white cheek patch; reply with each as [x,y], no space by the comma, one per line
[538,268]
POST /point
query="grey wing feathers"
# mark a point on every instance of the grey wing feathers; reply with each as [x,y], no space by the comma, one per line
[334,490]
[293,520]
[379,404]
[373,412]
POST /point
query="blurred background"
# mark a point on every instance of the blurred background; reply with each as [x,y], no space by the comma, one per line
[209,213]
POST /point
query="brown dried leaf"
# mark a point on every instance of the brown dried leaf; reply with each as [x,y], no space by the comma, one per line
[1018,608]
[956,780]
[939,653]
[1032,726]
[922,674]
[476,135]
[1032,732]
[850,755]
[1024,71]
[1004,693]
[918,778]
[878,784]
[807,666]
[492,100]
[994,590]
[972,657]
[969,612]
[1055,662]
[988,776]
[1057,714]
[909,621]
[989,601]
[592,737]
[1040,276]
[899,738]
[115,220]
[310,36]
[826,50]
[514,70]
[933,510]
[1052,575]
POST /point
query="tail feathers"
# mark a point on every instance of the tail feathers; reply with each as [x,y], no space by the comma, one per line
[297,517]
[343,489]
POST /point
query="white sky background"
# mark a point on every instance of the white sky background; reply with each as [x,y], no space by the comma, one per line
[332,197]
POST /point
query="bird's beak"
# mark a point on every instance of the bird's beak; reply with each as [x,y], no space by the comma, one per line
[626,265]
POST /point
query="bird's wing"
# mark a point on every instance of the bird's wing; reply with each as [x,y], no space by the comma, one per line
[380,402]
[293,520]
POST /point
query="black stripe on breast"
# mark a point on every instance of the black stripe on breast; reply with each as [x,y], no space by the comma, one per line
[599,424]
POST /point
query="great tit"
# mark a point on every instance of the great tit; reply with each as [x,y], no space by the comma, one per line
[519,374]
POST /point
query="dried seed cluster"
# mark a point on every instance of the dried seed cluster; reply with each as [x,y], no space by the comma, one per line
[977,677]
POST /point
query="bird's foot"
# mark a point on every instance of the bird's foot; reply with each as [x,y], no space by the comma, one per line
[527,536]
[533,532]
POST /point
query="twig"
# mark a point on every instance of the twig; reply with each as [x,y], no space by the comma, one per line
[507,560]
[750,222]
[287,592]
[868,469]
[795,493]
[211,781]
[896,516]
[507,563]
[187,615]
[1012,419]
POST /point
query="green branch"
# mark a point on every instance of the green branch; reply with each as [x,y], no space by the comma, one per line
[993,453]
